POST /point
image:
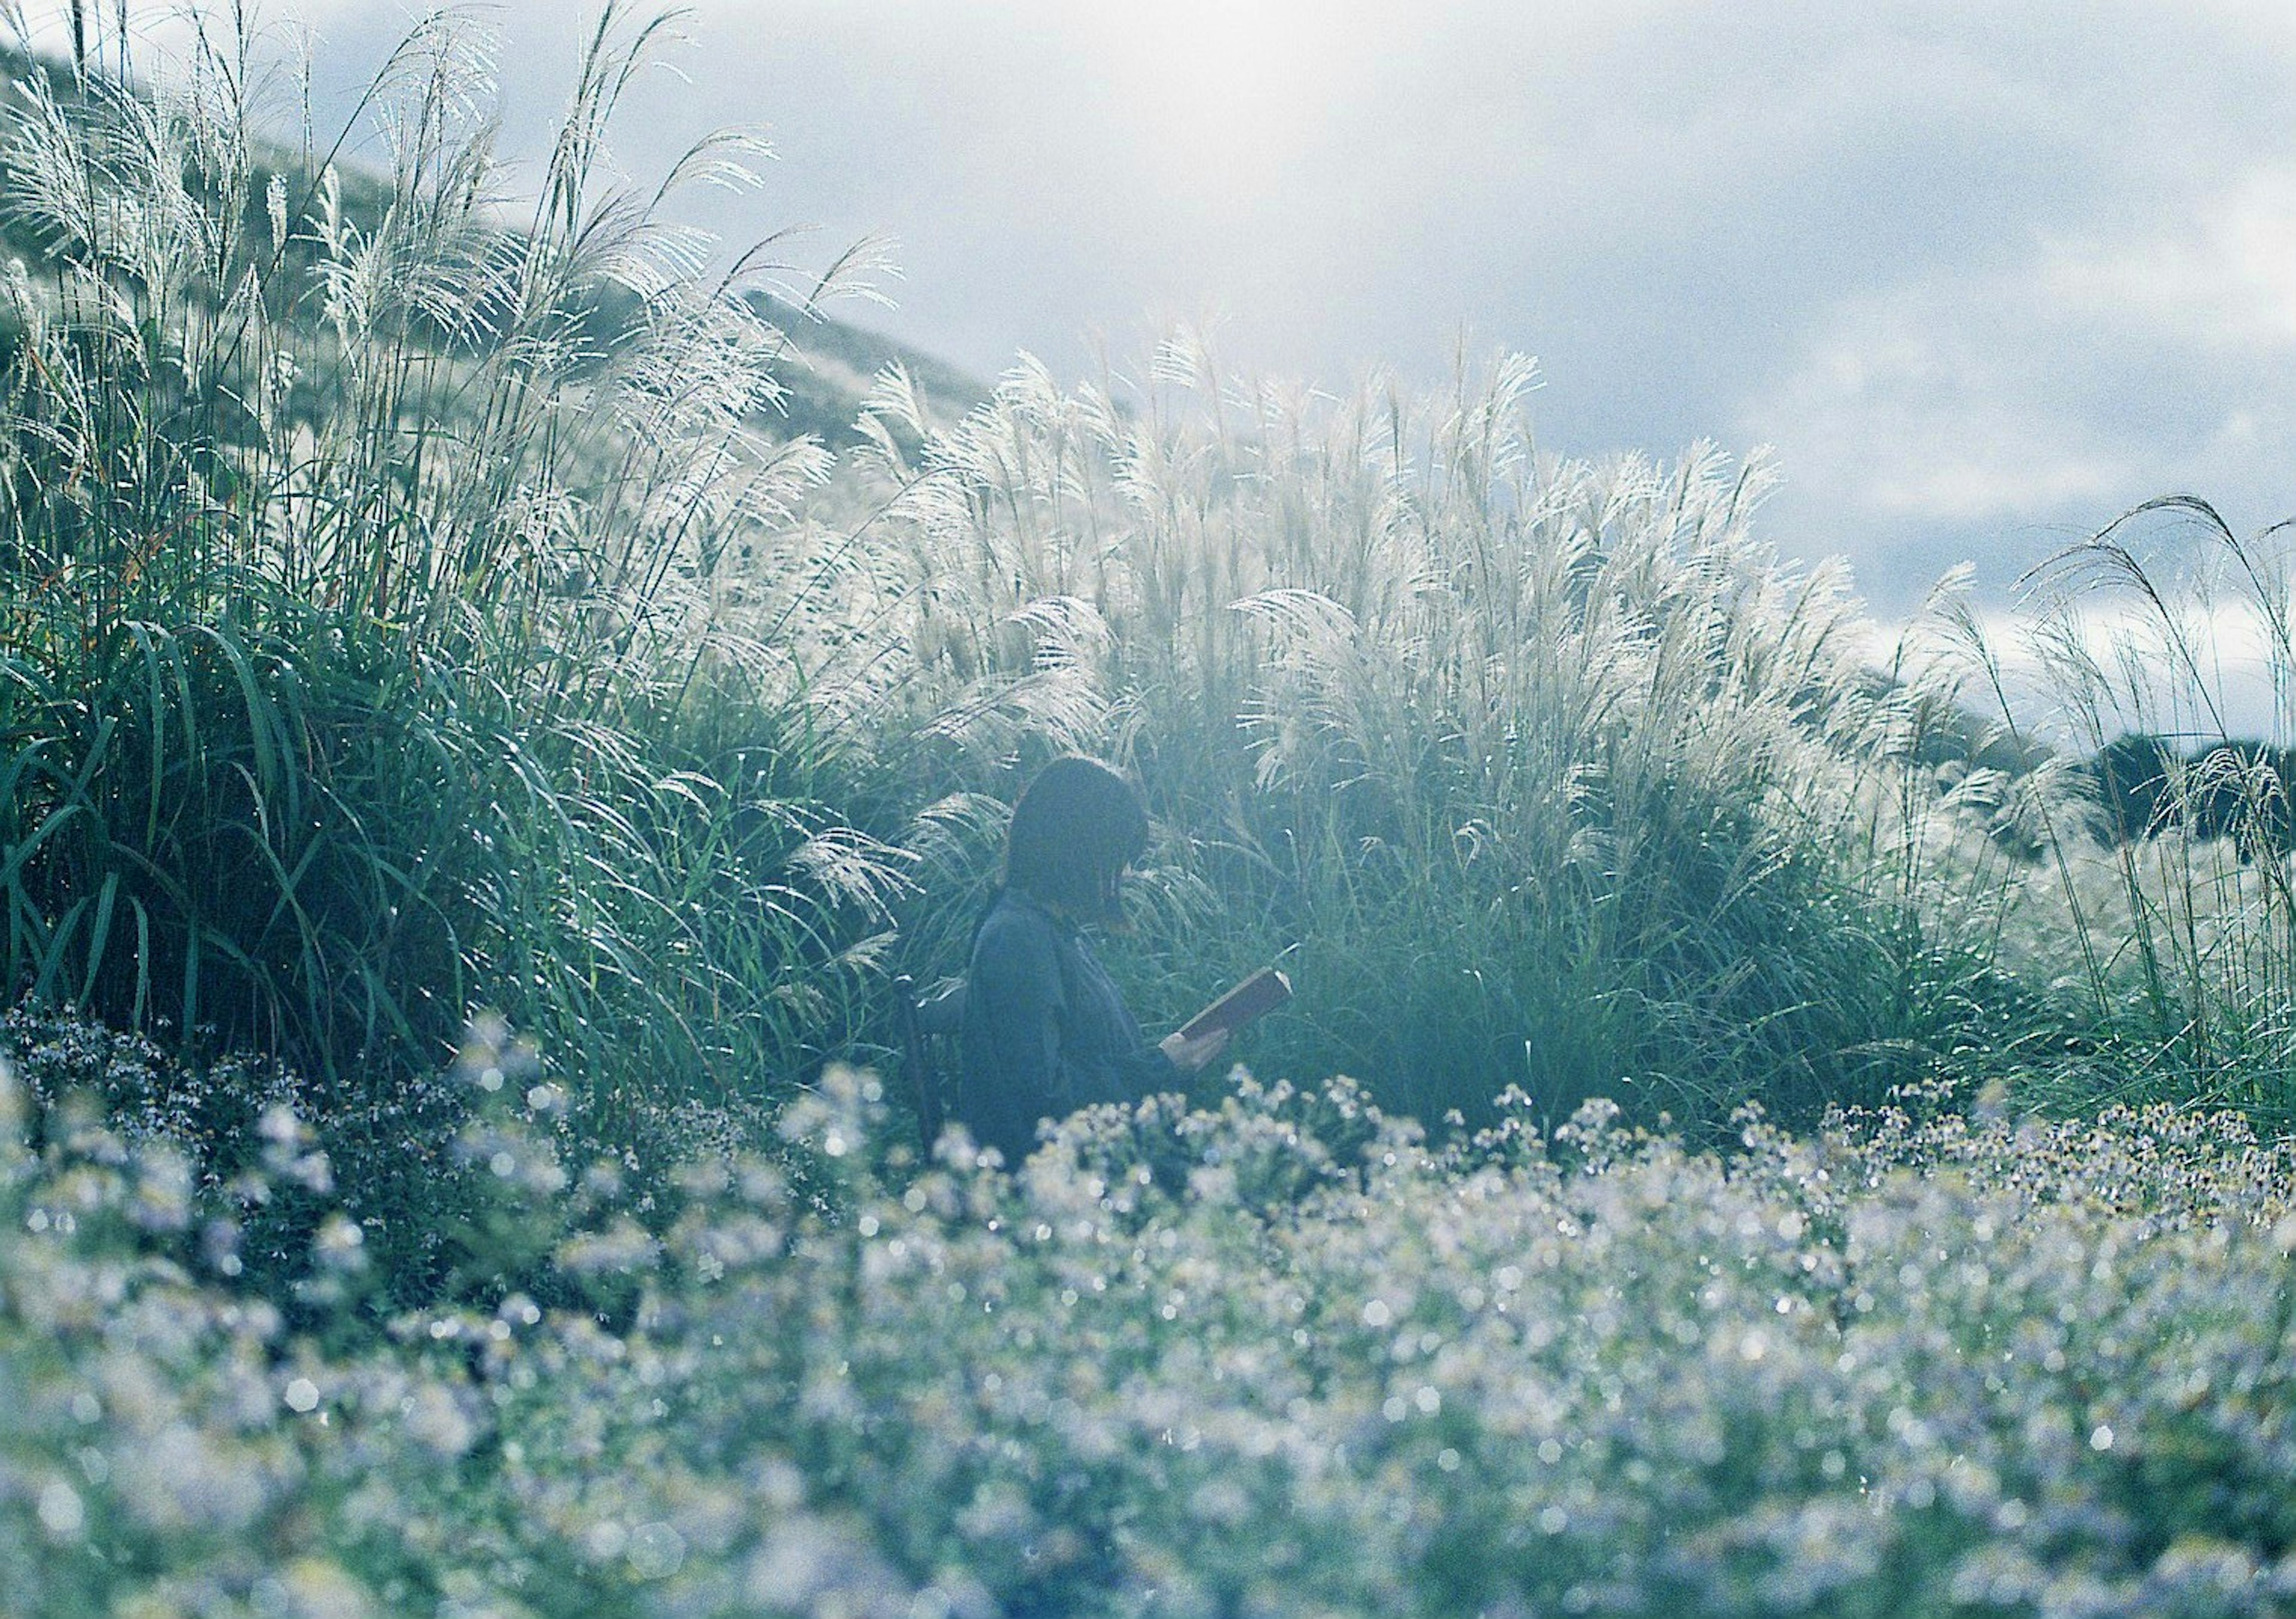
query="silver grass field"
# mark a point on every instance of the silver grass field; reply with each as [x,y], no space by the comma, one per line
[1765,1128]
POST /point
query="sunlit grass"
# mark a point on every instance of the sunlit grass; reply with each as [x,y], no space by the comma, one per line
[362,544]
[2159,907]
[1548,772]
[422,661]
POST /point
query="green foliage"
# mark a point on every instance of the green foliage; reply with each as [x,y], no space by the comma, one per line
[408,614]
[358,566]
[1273,1357]
[1553,774]
[402,613]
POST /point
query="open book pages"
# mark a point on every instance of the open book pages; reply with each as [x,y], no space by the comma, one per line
[1255,997]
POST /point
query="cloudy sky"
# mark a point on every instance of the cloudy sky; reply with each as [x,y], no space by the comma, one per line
[1981,275]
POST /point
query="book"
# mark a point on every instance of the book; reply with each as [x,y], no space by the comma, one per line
[1255,997]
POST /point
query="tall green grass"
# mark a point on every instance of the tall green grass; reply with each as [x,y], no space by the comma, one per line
[362,546]
[411,607]
[1552,773]
[2162,647]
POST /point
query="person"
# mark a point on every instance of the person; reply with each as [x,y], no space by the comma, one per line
[1045,1030]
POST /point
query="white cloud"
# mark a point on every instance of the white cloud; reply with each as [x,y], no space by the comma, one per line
[2224,273]
[2013,408]
[2109,663]
[1915,401]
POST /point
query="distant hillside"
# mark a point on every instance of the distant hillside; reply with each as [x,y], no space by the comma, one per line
[831,368]
[836,365]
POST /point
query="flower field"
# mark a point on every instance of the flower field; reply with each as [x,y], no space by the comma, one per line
[1271,1358]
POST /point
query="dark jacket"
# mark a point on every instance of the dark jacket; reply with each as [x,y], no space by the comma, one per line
[1045,1031]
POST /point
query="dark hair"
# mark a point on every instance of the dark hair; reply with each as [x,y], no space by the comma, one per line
[1076,826]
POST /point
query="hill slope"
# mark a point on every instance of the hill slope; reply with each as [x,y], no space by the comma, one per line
[830,367]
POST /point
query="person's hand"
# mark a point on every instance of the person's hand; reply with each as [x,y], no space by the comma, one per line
[1194,1056]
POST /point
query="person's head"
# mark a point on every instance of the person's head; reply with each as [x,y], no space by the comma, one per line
[1076,829]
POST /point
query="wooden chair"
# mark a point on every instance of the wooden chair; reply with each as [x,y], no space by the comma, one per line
[930,1026]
